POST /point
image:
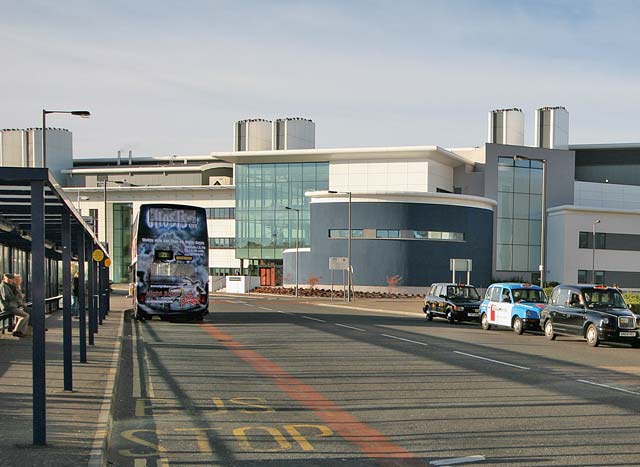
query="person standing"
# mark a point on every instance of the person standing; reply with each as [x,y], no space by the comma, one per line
[10,302]
[75,308]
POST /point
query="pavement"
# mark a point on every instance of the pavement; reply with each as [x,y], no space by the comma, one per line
[77,421]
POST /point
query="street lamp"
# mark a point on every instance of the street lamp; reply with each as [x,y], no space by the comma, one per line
[348,244]
[297,242]
[593,252]
[105,182]
[543,233]
[78,113]
[80,198]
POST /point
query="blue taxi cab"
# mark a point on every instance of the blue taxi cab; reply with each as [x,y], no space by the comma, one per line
[512,305]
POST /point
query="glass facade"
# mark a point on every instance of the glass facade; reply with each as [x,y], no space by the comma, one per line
[121,250]
[263,226]
[519,214]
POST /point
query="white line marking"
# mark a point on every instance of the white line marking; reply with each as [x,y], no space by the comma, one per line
[403,339]
[492,360]
[284,312]
[265,308]
[609,387]
[458,460]
[315,319]
[137,385]
[350,327]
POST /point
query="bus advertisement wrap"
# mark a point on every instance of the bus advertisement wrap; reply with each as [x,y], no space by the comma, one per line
[171,261]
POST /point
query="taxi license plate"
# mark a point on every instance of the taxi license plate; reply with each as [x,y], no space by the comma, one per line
[473,313]
[627,334]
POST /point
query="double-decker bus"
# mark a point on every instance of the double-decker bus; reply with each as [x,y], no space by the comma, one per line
[170,256]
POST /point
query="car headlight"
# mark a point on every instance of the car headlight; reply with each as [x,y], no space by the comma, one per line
[531,314]
[604,322]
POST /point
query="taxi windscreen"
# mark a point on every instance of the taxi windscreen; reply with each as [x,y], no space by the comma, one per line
[529,295]
[466,292]
[603,298]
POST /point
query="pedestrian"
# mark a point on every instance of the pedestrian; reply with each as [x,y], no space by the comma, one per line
[75,308]
[10,301]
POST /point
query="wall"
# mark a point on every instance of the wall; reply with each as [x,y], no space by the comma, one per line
[418,262]
[607,195]
[386,175]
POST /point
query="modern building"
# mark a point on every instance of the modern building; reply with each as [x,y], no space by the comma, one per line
[514,211]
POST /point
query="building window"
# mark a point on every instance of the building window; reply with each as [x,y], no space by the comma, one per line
[121,249]
[93,213]
[344,233]
[584,240]
[599,277]
[222,243]
[386,233]
[519,214]
[583,276]
[224,271]
[221,213]
[264,228]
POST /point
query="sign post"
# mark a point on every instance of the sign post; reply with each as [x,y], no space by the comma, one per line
[338,263]
[457,264]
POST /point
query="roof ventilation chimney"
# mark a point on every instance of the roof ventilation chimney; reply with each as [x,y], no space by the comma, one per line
[506,126]
[552,128]
[130,157]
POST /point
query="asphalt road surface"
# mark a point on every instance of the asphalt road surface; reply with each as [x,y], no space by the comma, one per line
[270,382]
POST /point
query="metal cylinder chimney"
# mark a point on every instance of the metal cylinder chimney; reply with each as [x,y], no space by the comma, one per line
[552,128]
[506,126]
[130,158]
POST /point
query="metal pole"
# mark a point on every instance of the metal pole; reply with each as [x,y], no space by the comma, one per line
[543,234]
[100,282]
[106,217]
[67,349]
[37,314]
[91,291]
[349,254]
[593,252]
[81,300]
[44,139]
[297,249]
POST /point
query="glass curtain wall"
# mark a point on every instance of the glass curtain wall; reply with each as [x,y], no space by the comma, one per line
[519,215]
[121,250]
[263,226]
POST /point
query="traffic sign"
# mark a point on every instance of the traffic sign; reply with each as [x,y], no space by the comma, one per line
[107,262]
[97,255]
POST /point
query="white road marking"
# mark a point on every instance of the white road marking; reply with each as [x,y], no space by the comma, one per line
[492,360]
[284,312]
[350,327]
[609,387]
[314,319]
[458,460]
[403,339]
[265,308]
[137,386]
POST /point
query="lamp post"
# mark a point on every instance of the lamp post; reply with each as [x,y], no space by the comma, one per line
[297,242]
[349,281]
[80,198]
[593,251]
[79,113]
[543,223]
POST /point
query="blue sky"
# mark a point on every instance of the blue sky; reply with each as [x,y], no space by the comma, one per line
[165,78]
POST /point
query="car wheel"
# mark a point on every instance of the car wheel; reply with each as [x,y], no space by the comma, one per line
[451,317]
[518,326]
[429,314]
[484,322]
[548,330]
[592,336]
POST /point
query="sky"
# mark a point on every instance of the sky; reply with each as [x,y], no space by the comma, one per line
[163,78]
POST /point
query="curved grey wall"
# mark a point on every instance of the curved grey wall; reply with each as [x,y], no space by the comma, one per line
[418,262]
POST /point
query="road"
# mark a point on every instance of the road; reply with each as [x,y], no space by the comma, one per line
[272,382]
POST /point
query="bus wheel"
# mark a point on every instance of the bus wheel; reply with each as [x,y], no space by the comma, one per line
[139,314]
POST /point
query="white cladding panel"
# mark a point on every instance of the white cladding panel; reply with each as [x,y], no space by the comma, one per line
[606,195]
[258,135]
[300,134]
[390,175]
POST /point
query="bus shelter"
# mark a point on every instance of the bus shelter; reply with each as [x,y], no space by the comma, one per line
[37,217]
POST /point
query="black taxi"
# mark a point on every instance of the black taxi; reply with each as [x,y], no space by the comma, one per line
[455,302]
[596,312]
